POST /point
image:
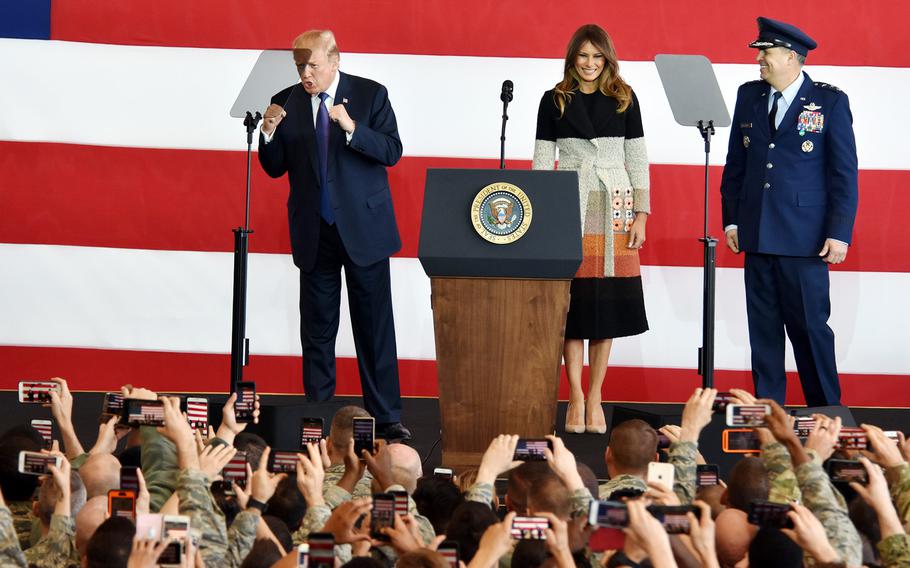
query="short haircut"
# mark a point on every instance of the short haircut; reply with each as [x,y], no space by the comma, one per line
[263,554]
[800,58]
[550,495]
[633,444]
[251,444]
[100,473]
[771,548]
[47,497]
[436,499]
[521,479]
[111,544]
[280,530]
[747,482]
[287,503]
[588,477]
[529,554]
[325,39]
[18,486]
[469,521]
[422,558]
[342,430]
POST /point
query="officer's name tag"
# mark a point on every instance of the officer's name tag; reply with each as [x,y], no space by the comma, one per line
[745,125]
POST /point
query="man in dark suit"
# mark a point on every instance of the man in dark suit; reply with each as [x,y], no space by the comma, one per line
[789,197]
[337,136]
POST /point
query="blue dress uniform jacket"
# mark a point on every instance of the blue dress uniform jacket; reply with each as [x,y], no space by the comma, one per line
[787,193]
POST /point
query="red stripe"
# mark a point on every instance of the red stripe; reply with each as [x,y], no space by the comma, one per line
[103,370]
[720,30]
[190,200]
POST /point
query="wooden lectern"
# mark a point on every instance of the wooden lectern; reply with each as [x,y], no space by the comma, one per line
[499,310]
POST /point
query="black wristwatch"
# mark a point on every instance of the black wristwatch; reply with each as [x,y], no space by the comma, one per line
[254,504]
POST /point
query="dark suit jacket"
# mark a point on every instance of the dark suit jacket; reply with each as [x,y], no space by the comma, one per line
[357,179]
[789,192]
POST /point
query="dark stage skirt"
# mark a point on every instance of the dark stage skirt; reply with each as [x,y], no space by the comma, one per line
[604,308]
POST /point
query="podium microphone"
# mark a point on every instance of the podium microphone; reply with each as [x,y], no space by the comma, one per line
[506,95]
[506,98]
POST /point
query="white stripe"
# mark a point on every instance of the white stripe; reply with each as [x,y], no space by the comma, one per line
[181,301]
[446,106]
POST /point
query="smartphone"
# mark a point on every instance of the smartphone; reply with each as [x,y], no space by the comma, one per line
[382,515]
[36,463]
[197,412]
[768,514]
[245,404]
[444,472]
[401,502]
[747,415]
[121,504]
[803,426]
[449,550]
[322,550]
[608,514]
[532,449]
[177,527]
[663,442]
[852,439]
[674,517]
[721,401]
[129,479]
[845,471]
[143,412]
[36,392]
[113,404]
[740,441]
[46,429]
[662,473]
[235,472]
[312,431]
[282,461]
[707,474]
[303,551]
[530,528]
[364,434]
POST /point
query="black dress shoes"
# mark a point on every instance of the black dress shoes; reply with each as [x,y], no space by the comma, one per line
[393,431]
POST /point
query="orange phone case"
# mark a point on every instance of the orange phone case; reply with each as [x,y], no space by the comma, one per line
[115,494]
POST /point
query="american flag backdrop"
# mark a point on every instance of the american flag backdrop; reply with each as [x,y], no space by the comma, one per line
[123,174]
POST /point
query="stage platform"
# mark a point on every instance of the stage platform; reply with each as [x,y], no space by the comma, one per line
[281,421]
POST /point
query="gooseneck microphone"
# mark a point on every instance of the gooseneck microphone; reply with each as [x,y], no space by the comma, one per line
[506,98]
[507,88]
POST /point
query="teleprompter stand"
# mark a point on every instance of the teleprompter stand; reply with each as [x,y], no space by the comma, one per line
[696,100]
[273,71]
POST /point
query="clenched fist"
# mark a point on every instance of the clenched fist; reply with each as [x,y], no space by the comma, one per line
[272,118]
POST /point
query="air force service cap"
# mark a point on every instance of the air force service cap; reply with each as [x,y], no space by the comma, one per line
[772,33]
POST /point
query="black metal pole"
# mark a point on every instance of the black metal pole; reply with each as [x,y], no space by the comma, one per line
[502,137]
[706,351]
[240,344]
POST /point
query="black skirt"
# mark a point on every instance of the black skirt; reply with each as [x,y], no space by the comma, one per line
[604,308]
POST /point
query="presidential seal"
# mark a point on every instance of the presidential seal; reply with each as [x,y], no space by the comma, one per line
[501,213]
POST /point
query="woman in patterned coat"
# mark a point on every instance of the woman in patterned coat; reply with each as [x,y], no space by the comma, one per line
[593,118]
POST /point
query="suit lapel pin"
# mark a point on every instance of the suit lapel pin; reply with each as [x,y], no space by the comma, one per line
[811,106]
[344,101]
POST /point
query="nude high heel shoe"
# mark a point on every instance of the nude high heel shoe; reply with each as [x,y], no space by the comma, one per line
[595,421]
[575,418]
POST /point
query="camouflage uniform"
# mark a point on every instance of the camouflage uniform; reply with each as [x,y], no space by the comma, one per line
[23,519]
[335,495]
[781,478]
[10,552]
[895,551]
[58,547]
[820,497]
[682,455]
[77,461]
[159,466]
[217,545]
[899,482]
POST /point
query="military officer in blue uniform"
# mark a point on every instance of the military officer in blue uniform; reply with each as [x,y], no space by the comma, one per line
[789,198]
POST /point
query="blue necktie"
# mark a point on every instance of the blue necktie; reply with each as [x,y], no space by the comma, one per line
[322,145]
[772,118]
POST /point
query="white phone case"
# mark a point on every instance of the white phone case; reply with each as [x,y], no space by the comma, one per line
[661,473]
